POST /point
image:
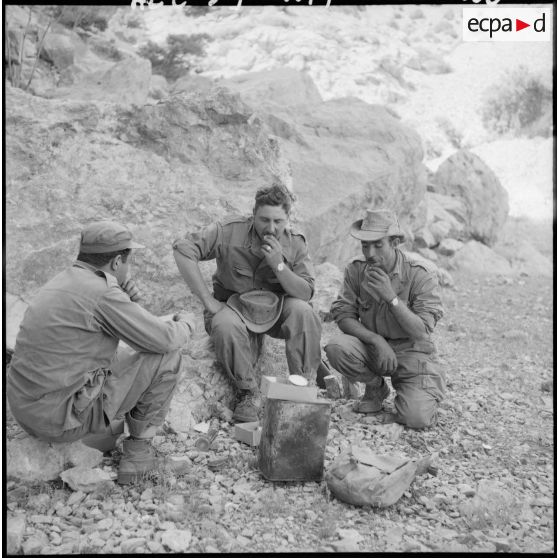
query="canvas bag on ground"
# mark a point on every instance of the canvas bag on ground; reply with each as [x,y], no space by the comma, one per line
[362,477]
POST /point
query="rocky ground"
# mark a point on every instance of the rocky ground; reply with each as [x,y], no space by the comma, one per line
[494,441]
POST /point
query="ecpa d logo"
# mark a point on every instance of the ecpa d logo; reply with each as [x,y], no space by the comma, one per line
[507,24]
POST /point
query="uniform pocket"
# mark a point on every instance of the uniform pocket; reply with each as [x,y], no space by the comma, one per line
[88,393]
[244,271]
[433,385]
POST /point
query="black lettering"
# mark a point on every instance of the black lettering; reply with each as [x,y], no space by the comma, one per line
[507,26]
[481,26]
[471,22]
[494,29]
[540,19]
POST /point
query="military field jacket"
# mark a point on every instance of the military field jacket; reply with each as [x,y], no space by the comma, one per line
[415,284]
[69,333]
[236,247]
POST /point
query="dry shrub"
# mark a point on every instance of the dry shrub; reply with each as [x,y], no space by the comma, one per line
[521,105]
[174,60]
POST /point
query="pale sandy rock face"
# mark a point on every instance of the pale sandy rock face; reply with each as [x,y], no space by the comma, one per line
[125,83]
[282,86]
[32,460]
[466,177]
[477,258]
[170,167]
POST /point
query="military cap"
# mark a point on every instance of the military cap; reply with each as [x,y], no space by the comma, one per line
[101,237]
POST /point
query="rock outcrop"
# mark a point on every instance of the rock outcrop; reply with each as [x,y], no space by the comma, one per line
[344,154]
[483,202]
[32,460]
[174,166]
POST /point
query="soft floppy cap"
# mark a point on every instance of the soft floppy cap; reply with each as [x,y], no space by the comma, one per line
[106,236]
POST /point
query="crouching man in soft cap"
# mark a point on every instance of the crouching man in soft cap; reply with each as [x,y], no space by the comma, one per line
[387,309]
[66,381]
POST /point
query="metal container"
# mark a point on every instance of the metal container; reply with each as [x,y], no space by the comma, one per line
[293,440]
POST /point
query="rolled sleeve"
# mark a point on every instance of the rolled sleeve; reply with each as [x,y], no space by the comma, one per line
[123,319]
[201,245]
[425,300]
[346,306]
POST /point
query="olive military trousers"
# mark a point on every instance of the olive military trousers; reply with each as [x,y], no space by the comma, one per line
[418,380]
[237,349]
[137,389]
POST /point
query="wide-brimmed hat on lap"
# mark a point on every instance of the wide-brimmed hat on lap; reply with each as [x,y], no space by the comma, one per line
[376,224]
[258,309]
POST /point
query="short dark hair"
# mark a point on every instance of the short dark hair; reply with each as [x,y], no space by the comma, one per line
[276,194]
[99,260]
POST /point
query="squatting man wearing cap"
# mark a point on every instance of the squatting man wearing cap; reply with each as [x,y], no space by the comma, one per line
[263,282]
[387,308]
[66,380]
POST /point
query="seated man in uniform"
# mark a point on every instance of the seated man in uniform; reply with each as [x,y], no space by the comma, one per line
[264,265]
[66,381]
[387,309]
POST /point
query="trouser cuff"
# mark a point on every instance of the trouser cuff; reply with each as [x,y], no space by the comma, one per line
[140,429]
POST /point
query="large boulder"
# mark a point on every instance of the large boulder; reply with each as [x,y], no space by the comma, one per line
[467,178]
[126,82]
[32,460]
[350,152]
[282,86]
[58,49]
[173,167]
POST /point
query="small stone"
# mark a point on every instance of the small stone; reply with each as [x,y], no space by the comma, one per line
[85,479]
[99,542]
[177,540]
[147,494]
[345,545]
[242,541]
[41,519]
[55,539]
[155,547]
[75,498]
[267,537]
[502,545]
[105,524]
[350,534]
[129,546]
[15,528]
[35,543]
[466,490]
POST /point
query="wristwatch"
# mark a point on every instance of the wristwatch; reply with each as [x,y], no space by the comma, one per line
[394,302]
[280,266]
